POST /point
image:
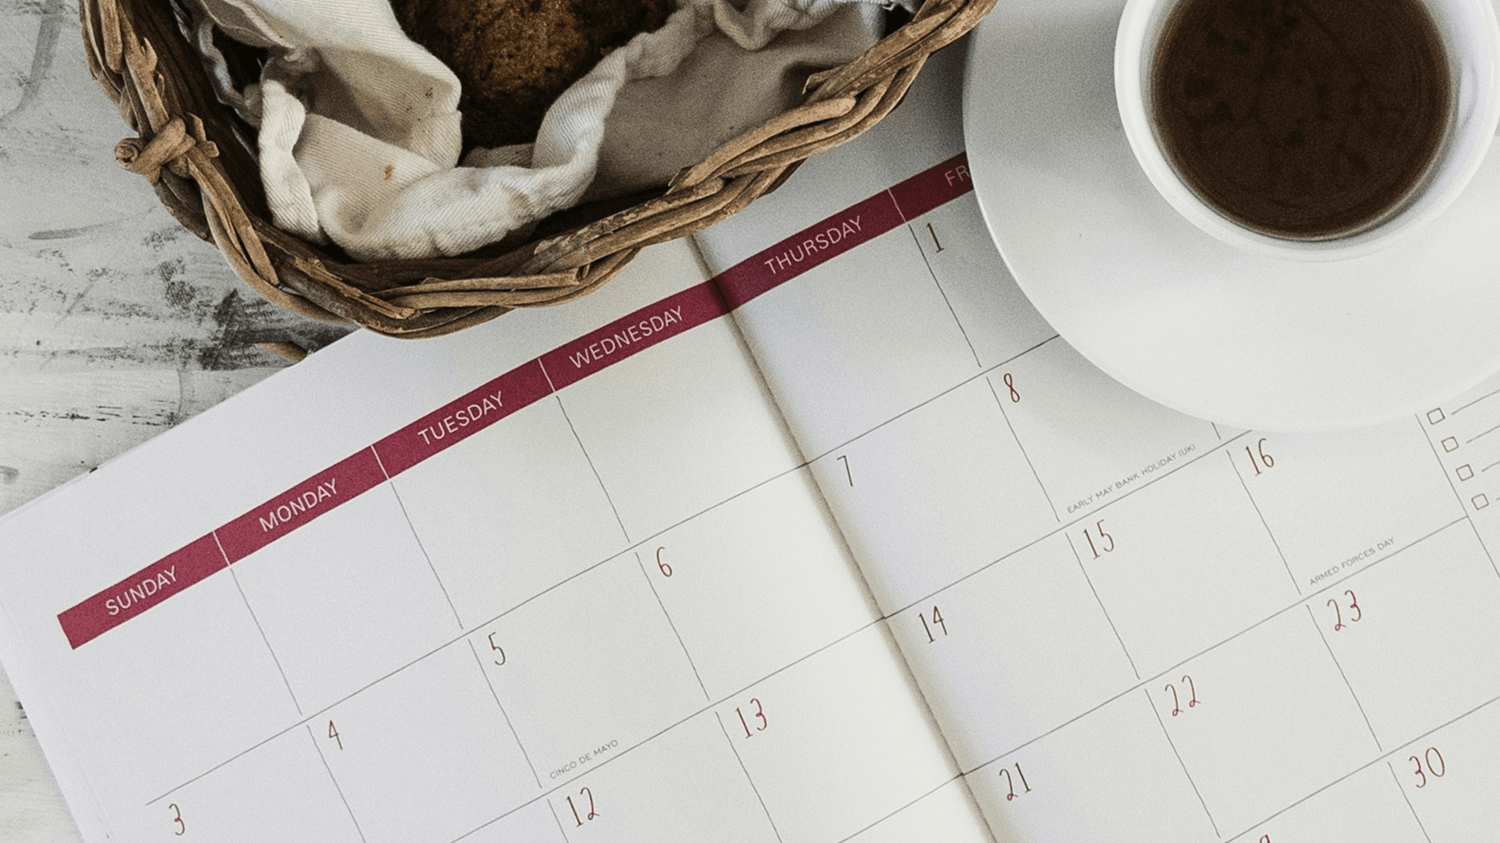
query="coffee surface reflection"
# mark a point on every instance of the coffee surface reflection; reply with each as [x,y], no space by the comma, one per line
[1302,119]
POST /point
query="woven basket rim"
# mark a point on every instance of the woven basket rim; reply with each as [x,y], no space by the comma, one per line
[198,156]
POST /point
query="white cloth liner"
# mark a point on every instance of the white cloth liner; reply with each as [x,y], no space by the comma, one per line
[359,137]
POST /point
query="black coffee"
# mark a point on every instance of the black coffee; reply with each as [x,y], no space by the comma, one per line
[1303,119]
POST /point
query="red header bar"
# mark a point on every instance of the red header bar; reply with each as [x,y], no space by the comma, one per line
[768,269]
[300,504]
[463,417]
[141,591]
[933,187]
[633,334]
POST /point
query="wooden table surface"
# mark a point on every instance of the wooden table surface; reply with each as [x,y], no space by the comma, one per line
[115,323]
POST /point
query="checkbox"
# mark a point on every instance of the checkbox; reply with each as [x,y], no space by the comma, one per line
[1435,415]
[1450,444]
[1481,501]
[1465,472]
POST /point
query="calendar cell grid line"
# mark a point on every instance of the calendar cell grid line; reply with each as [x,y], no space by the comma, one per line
[1482,546]
[915,407]
[1386,756]
[944,293]
[542,364]
[1090,580]
[555,818]
[956,778]
[1217,435]
[1301,601]
[234,578]
[1181,763]
[1476,437]
[426,557]
[607,496]
[1062,528]
[1490,466]
[748,778]
[706,709]
[479,662]
[308,718]
[1233,464]
[1476,401]
[1353,695]
[1457,496]
[1395,779]
[339,790]
[668,615]
[1017,439]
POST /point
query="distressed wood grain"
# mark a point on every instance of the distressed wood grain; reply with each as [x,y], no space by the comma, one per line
[115,323]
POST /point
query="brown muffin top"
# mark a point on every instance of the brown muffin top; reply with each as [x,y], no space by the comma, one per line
[514,58]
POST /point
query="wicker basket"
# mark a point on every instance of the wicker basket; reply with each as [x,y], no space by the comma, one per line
[143,61]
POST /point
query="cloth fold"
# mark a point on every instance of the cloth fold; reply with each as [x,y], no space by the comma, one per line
[360,135]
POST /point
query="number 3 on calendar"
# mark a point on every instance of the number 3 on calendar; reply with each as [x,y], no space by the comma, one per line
[177,823]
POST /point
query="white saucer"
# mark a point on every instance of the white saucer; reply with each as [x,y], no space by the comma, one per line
[1177,315]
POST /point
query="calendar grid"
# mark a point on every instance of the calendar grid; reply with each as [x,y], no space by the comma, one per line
[334,779]
[706,709]
[912,803]
[426,557]
[590,460]
[555,818]
[1322,636]
[1180,763]
[924,403]
[585,676]
[1396,780]
[1262,516]
[1385,756]
[749,778]
[1302,600]
[1061,528]
[479,662]
[233,577]
[673,624]
[1094,591]
[307,718]
[959,322]
[1008,426]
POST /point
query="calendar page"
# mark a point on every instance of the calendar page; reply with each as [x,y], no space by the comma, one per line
[1131,625]
[563,577]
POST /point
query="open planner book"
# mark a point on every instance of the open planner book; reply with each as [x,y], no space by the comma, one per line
[807,531]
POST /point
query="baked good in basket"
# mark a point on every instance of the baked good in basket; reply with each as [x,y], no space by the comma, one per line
[516,57]
[202,159]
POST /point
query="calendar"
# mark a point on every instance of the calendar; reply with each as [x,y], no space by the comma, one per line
[807,530]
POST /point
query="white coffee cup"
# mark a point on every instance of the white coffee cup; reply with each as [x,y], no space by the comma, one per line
[1471,40]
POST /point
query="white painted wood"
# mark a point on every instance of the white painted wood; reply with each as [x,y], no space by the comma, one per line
[115,323]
